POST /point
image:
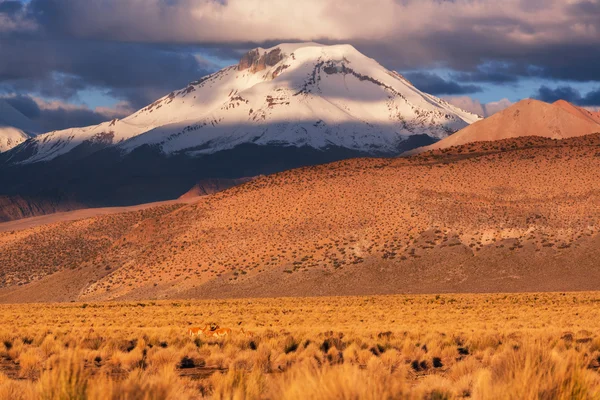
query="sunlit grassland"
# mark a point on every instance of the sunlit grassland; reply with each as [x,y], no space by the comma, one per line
[517,346]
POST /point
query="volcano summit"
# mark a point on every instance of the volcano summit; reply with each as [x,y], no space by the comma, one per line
[288,106]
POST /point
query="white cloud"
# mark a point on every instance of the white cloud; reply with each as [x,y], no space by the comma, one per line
[592,108]
[517,39]
[473,105]
[493,107]
[240,21]
[459,34]
[119,110]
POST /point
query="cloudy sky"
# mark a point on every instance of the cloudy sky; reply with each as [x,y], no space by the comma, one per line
[77,62]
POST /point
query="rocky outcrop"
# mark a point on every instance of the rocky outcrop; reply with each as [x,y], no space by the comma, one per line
[255,61]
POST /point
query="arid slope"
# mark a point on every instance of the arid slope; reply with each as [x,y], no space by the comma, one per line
[528,117]
[514,215]
[578,111]
[211,186]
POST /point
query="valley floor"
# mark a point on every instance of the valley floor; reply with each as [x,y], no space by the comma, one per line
[449,346]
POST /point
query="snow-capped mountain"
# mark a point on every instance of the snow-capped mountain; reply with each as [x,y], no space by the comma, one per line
[11,137]
[289,95]
[15,128]
[286,107]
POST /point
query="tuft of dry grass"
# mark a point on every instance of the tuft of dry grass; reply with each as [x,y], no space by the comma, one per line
[513,346]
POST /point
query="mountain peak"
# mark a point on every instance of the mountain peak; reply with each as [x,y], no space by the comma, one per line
[528,117]
[578,111]
[15,128]
[293,94]
[259,59]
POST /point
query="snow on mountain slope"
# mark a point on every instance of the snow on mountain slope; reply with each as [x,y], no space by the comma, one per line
[11,137]
[15,128]
[289,95]
[53,144]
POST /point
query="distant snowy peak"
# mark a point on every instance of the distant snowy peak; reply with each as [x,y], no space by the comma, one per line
[11,137]
[15,128]
[302,94]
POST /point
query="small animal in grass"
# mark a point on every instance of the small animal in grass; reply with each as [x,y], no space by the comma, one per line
[218,332]
[194,331]
[247,333]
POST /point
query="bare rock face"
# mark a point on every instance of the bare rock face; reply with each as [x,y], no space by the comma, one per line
[248,59]
[273,57]
[256,62]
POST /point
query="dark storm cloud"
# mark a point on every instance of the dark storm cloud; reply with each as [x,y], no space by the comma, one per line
[62,68]
[138,50]
[569,94]
[591,99]
[57,115]
[585,9]
[561,93]
[62,118]
[491,72]
[26,105]
[434,84]
[50,62]
[10,7]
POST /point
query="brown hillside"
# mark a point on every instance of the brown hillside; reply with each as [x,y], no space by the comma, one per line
[578,111]
[515,215]
[528,117]
[212,186]
[17,207]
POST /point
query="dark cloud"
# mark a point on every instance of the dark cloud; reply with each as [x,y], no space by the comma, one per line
[434,84]
[57,116]
[26,105]
[62,68]
[591,99]
[569,94]
[140,50]
[49,61]
[62,118]
[585,9]
[561,93]
[574,62]
[460,34]
[489,72]
[467,53]
[10,7]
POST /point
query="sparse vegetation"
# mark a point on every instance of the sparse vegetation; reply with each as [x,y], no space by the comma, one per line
[528,346]
[434,219]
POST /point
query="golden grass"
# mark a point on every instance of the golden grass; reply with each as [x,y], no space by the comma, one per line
[525,346]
